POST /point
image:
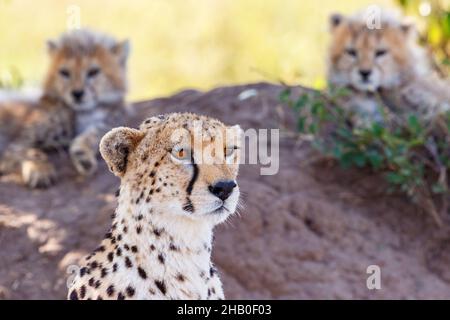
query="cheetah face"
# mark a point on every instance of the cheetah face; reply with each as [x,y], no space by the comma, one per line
[183,165]
[369,59]
[85,71]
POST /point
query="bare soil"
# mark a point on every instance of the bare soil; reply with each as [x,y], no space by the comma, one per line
[308,232]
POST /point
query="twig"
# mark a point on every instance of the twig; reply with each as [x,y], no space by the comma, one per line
[428,205]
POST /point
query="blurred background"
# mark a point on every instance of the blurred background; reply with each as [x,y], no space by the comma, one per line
[308,232]
[189,43]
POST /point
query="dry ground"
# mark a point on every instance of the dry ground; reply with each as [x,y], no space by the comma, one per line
[308,232]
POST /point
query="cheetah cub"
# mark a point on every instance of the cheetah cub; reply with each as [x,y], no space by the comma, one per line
[383,66]
[82,98]
[178,180]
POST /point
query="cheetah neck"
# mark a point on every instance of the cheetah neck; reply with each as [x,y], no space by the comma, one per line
[169,244]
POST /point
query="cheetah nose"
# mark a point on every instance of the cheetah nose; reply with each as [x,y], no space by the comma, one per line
[365,74]
[77,95]
[223,189]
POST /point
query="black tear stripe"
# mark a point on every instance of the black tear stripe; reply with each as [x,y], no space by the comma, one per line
[189,206]
[194,178]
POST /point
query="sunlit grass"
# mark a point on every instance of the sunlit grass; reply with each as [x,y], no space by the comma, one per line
[184,43]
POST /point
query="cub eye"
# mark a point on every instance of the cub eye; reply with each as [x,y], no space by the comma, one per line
[229,151]
[93,72]
[351,52]
[65,73]
[181,153]
[380,52]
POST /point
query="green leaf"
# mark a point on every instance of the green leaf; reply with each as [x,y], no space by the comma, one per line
[377,130]
[394,178]
[375,159]
[285,95]
[342,93]
[446,24]
[345,133]
[359,159]
[318,109]
[301,102]
[301,124]
[414,124]
[353,158]
[346,160]
[337,151]
[313,128]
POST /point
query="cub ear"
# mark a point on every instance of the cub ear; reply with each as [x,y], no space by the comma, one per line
[116,146]
[52,46]
[122,50]
[409,29]
[335,20]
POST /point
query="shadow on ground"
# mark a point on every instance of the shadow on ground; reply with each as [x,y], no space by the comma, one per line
[308,232]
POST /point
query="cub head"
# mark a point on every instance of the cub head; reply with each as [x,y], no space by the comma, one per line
[86,69]
[368,58]
[182,165]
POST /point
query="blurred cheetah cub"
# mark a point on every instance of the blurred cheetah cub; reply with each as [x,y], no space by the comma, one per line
[83,97]
[159,245]
[383,65]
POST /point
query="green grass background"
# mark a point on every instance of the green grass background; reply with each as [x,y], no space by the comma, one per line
[179,44]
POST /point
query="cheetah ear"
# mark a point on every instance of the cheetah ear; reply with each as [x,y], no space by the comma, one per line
[122,50]
[335,20]
[116,146]
[408,28]
[52,46]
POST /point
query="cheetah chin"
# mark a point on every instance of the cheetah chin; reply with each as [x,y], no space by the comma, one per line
[170,199]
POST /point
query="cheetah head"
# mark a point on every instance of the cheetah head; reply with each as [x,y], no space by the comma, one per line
[182,165]
[368,58]
[87,69]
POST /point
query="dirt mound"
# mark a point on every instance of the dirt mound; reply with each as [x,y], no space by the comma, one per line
[308,232]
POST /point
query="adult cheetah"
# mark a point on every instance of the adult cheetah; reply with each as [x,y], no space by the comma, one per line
[170,198]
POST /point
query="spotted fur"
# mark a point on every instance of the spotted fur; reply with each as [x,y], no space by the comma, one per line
[158,248]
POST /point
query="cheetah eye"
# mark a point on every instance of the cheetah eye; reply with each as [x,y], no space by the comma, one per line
[181,154]
[93,72]
[229,151]
[380,52]
[351,52]
[64,73]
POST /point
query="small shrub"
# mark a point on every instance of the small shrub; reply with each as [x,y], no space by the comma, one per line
[413,156]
